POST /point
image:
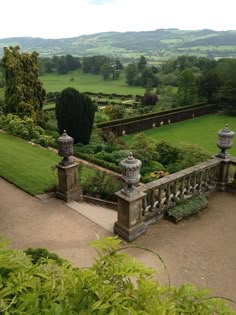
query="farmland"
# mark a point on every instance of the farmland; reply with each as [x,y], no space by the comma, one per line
[85,82]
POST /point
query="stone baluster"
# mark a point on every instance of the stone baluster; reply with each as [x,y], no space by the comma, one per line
[175,190]
[189,185]
[182,188]
[168,195]
[201,181]
[152,200]
[194,182]
[159,199]
[206,183]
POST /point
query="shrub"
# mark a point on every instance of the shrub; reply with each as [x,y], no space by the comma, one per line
[114,284]
[102,185]
[93,159]
[118,156]
[176,158]
[38,255]
[151,167]
[25,129]
[105,156]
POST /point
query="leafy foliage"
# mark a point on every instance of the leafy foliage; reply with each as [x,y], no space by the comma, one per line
[115,284]
[102,185]
[176,158]
[25,129]
[188,207]
[24,93]
[115,111]
[149,98]
[38,255]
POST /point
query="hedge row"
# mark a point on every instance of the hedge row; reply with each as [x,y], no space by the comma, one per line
[150,115]
[112,95]
[102,163]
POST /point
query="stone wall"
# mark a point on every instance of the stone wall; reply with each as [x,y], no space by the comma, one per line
[143,122]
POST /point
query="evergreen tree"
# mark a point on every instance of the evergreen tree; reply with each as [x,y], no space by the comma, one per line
[24,93]
[75,114]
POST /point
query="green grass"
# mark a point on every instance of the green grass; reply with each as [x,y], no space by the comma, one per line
[88,83]
[30,167]
[201,131]
[27,166]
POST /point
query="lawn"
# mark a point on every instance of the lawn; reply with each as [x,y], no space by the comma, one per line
[86,82]
[201,131]
[30,167]
[27,166]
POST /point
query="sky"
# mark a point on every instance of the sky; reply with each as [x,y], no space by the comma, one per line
[71,18]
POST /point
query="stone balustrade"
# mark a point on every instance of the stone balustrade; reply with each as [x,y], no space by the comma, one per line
[162,194]
[153,199]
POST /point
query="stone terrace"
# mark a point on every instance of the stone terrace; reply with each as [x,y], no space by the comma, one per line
[200,250]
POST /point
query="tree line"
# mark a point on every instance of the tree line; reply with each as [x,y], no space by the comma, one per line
[183,81]
[106,66]
[187,79]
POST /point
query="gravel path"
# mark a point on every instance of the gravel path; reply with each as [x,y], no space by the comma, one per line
[200,250]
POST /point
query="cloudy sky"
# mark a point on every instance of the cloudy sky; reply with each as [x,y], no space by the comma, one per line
[69,18]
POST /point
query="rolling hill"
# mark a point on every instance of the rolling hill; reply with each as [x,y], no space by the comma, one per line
[160,44]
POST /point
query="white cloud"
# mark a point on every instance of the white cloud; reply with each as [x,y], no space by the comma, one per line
[60,18]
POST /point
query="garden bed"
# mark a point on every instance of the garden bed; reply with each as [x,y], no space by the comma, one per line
[187,208]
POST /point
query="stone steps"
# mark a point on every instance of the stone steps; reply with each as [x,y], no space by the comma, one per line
[102,216]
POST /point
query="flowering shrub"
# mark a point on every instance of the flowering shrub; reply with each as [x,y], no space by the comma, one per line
[158,174]
[25,129]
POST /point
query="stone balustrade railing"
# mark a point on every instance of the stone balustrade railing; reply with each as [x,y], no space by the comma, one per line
[162,194]
[153,199]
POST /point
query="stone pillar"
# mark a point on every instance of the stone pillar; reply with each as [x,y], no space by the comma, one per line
[223,174]
[68,189]
[130,223]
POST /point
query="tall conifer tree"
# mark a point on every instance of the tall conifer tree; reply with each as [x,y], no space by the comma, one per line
[75,114]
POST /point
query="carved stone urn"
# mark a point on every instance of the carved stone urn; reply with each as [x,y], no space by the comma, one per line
[65,148]
[225,141]
[130,172]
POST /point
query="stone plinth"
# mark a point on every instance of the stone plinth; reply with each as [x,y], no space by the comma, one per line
[223,174]
[68,188]
[130,223]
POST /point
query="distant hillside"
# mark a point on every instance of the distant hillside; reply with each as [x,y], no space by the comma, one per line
[160,44]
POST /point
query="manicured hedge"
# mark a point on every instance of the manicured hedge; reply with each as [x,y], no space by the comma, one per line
[150,115]
[97,161]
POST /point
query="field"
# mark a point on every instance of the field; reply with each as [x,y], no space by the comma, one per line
[201,131]
[88,83]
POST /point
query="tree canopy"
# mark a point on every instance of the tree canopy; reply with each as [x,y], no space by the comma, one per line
[24,93]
